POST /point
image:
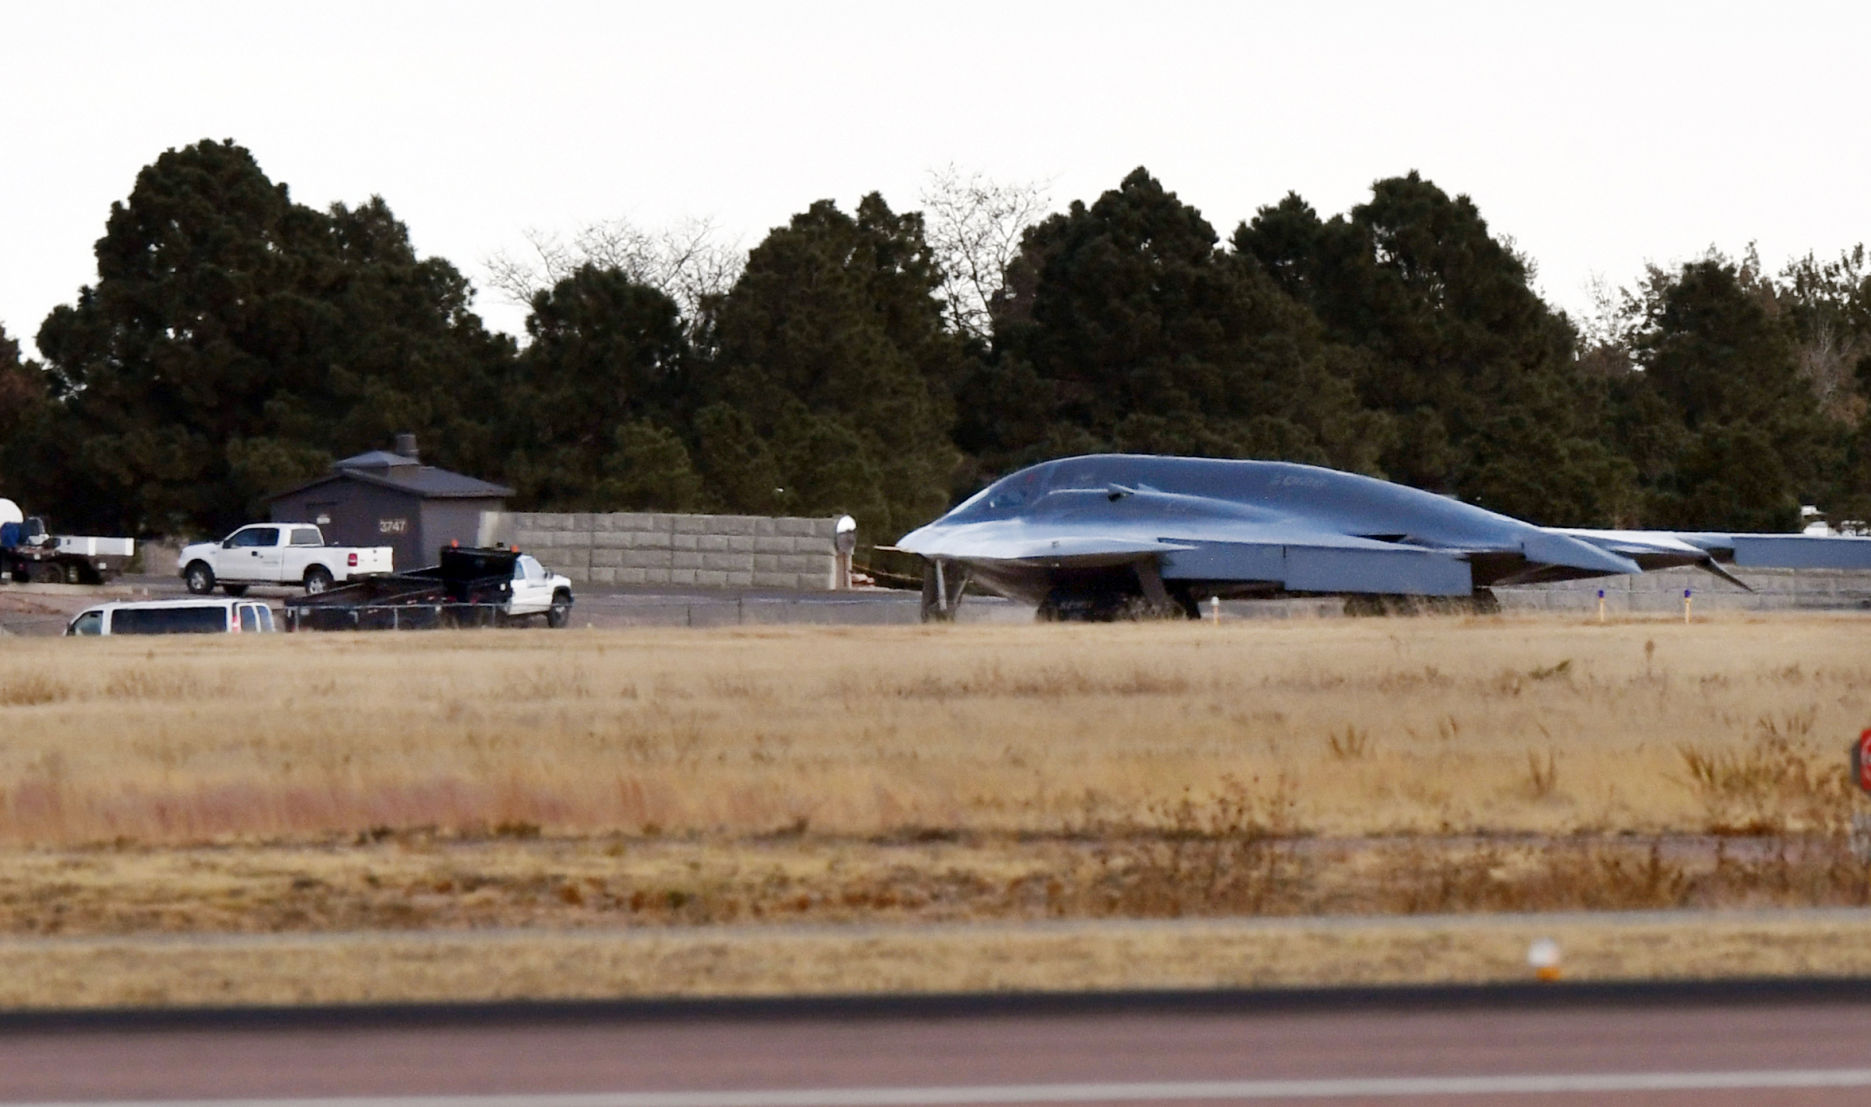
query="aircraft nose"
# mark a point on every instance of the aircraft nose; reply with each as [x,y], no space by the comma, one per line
[917,541]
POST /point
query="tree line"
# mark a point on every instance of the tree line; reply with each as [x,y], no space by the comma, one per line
[873,362]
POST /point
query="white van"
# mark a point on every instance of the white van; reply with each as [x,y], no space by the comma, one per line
[202,616]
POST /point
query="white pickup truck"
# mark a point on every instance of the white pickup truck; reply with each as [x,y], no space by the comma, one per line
[277,553]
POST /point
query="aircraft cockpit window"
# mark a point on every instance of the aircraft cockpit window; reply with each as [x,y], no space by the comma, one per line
[968,506]
[1007,497]
[1014,492]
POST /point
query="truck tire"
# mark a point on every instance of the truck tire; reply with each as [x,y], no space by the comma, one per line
[199,578]
[317,579]
[49,573]
[234,589]
[560,613]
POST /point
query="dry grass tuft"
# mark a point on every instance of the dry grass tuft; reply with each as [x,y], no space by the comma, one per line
[1542,777]
[1352,745]
[1773,782]
[31,689]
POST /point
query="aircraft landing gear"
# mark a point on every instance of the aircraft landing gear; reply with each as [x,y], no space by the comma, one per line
[942,589]
[1110,607]
[1112,600]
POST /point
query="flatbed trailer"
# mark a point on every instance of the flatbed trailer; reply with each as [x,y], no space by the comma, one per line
[28,553]
[470,586]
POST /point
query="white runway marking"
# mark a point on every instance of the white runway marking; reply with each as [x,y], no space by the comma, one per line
[1193,1091]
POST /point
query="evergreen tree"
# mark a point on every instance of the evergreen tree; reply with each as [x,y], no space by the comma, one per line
[1128,329]
[591,406]
[1749,443]
[236,341]
[739,471]
[34,470]
[1828,305]
[408,353]
[831,350]
[648,468]
[1475,372]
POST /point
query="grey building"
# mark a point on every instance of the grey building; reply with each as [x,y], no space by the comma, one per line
[384,498]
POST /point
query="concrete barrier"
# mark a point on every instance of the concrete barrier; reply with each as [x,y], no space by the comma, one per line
[1662,591]
[662,549]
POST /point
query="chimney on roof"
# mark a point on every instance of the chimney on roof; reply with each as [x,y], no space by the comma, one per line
[406,447]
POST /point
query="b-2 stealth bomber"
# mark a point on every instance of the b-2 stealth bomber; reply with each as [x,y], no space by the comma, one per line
[1121,535]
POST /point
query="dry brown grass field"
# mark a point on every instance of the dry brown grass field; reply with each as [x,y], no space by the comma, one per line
[1333,727]
[593,780]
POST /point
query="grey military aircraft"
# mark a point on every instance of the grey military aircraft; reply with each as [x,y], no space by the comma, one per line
[1121,535]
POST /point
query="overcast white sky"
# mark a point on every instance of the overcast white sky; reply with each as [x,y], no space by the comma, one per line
[1598,135]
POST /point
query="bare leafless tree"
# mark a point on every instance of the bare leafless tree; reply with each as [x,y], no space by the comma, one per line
[1831,301]
[974,226]
[689,261]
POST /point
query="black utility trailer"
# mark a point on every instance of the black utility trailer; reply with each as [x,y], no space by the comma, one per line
[470,587]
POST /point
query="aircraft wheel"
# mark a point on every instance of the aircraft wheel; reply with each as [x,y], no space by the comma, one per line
[1076,607]
[1139,609]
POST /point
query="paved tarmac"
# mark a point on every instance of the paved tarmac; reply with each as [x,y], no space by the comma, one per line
[44,609]
[1706,1044]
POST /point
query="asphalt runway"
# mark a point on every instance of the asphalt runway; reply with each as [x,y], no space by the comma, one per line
[1797,1043]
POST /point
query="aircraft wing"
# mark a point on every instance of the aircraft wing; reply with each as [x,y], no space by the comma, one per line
[1020,543]
[1660,549]
[1283,554]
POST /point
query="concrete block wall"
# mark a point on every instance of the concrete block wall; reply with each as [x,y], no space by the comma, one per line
[1774,590]
[660,549]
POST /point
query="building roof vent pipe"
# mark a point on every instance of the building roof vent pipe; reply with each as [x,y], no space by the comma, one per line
[406,447]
